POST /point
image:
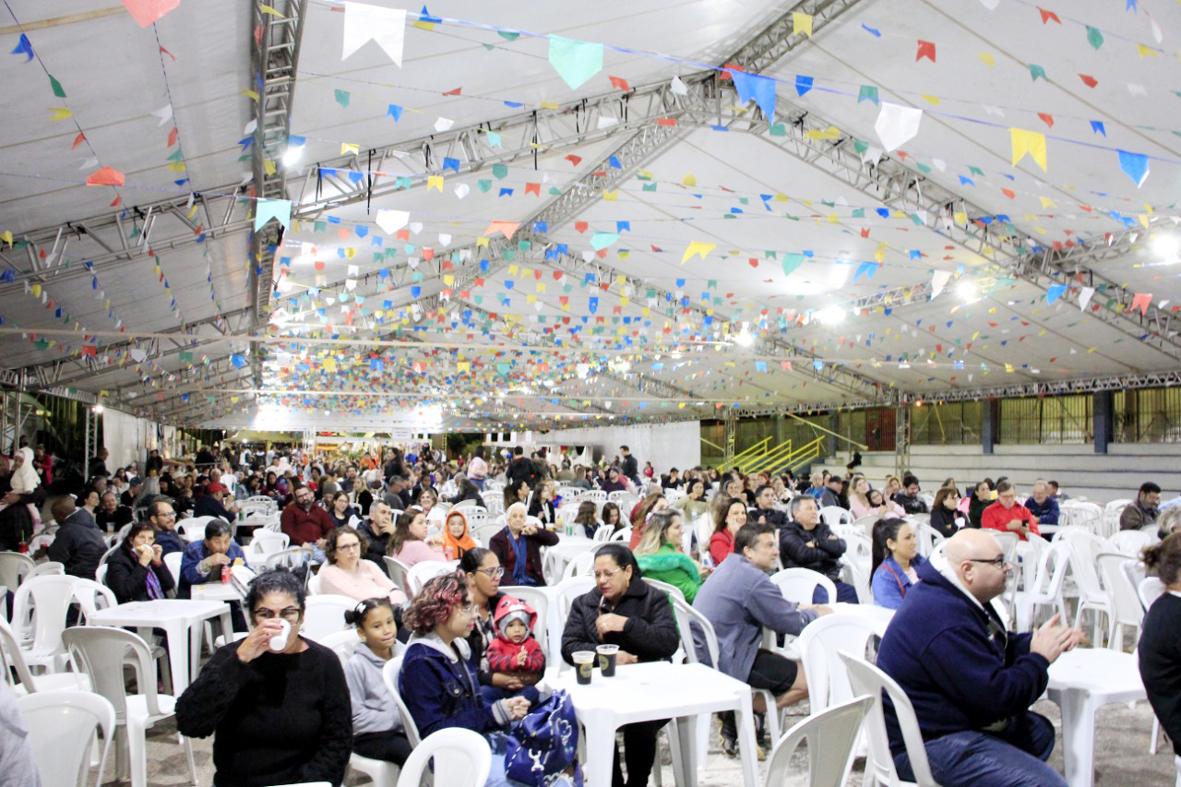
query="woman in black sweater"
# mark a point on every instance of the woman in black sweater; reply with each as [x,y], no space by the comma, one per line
[136,571]
[1160,648]
[624,610]
[277,717]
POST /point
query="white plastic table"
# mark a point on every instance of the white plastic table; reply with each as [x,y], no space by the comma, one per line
[658,690]
[179,618]
[561,553]
[1082,681]
[215,591]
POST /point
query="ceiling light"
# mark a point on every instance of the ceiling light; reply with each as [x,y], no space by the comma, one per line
[965,290]
[830,315]
[744,338]
[1166,247]
[292,156]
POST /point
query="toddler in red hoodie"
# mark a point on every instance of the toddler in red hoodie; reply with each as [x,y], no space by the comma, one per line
[515,652]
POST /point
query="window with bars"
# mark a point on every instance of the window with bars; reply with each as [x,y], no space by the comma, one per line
[945,423]
[1148,415]
[1050,419]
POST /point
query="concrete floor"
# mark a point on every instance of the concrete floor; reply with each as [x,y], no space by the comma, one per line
[1121,756]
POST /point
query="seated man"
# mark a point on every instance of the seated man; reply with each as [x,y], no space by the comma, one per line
[807,542]
[830,495]
[161,515]
[1042,504]
[110,515]
[1143,511]
[970,681]
[765,510]
[203,562]
[1006,514]
[909,498]
[78,545]
[740,600]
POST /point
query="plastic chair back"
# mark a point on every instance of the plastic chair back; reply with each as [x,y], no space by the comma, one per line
[49,568]
[291,558]
[101,652]
[44,603]
[462,758]
[389,674]
[583,565]
[672,591]
[12,661]
[173,560]
[93,596]
[831,735]
[397,571]
[537,598]
[866,679]
[1130,542]
[62,727]
[268,542]
[1149,590]
[835,515]
[342,643]
[314,585]
[799,584]
[696,631]
[424,571]
[14,568]
[324,615]
[1123,594]
[820,645]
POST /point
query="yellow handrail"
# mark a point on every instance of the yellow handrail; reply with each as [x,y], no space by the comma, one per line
[805,454]
[712,444]
[767,459]
[734,460]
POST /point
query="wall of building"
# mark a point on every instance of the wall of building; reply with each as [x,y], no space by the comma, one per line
[664,445]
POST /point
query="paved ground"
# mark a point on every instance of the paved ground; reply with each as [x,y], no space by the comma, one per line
[1121,756]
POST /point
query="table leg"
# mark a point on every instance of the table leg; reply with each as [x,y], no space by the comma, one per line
[600,751]
[684,730]
[178,654]
[745,718]
[1078,736]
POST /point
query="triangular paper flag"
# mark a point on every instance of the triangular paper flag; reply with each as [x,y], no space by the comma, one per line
[1028,142]
[146,12]
[1135,166]
[760,89]
[801,23]
[939,280]
[575,61]
[267,209]
[1084,297]
[896,125]
[364,23]
[506,228]
[391,221]
[697,248]
[105,176]
[791,262]
[601,240]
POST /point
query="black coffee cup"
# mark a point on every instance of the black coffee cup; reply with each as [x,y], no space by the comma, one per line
[607,655]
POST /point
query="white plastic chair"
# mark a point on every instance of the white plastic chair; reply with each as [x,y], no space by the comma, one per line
[389,674]
[14,568]
[820,644]
[831,735]
[484,533]
[1111,515]
[865,678]
[398,572]
[1130,542]
[49,568]
[101,652]
[582,565]
[597,495]
[1149,590]
[324,615]
[603,534]
[799,584]
[424,571]
[539,600]
[193,528]
[835,515]
[62,727]
[39,618]
[1125,604]
[173,560]
[1046,589]
[314,585]
[462,758]
[266,543]
[623,534]
[1085,548]
[12,661]
[563,595]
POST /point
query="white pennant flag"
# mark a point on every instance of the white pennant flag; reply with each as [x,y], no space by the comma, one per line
[163,114]
[939,280]
[896,125]
[1084,297]
[365,23]
[391,221]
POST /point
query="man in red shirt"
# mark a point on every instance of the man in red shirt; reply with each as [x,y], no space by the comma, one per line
[304,522]
[1007,515]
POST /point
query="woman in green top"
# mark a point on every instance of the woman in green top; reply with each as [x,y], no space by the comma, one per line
[693,504]
[660,557]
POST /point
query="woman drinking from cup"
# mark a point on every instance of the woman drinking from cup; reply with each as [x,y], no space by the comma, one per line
[136,572]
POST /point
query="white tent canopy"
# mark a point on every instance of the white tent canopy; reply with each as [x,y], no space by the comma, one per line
[472,242]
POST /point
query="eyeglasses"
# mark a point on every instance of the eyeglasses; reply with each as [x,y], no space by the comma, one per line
[166,515]
[290,614]
[494,573]
[998,561]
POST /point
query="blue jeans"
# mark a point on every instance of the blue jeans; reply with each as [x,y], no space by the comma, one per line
[1013,758]
[845,593]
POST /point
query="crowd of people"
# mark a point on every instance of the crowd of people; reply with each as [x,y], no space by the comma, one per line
[470,659]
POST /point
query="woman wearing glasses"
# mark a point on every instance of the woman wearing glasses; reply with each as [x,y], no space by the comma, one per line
[622,609]
[348,574]
[277,706]
[484,572]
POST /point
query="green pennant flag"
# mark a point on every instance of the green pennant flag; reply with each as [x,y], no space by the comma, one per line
[1036,71]
[57,87]
[1094,36]
[868,93]
[791,262]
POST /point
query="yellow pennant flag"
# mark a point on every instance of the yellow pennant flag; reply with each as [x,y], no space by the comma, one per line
[689,180]
[349,147]
[1028,142]
[268,166]
[611,196]
[266,9]
[697,248]
[987,59]
[1047,202]
[60,113]
[801,23]
[434,182]
[6,236]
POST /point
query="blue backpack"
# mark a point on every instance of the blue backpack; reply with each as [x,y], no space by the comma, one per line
[544,744]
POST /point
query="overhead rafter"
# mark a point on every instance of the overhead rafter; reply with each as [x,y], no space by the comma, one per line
[274,53]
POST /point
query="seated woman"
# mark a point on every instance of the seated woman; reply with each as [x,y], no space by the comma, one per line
[346,573]
[409,541]
[693,504]
[277,716]
[640,513]
[466,490]
[341,512]
[519,545]
[945,516]
[587,518]
[730,519]
[377,727]
[611,515]
[457,537]
[1159,649]
[983,496]
[660,557]
[622,609]
[516,492]
[541,505]
[896,560]
[136,571]
[864,502]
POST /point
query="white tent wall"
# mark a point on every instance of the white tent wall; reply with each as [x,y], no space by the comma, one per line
[127,438]
[664,445]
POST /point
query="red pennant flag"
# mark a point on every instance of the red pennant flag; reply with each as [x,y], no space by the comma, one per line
[1047,118]
[164,51]
[574,160]
[78,140]
[1009,193]
[1088,80]
[105,176]
[116,202]
[926,49]
[533,188]
[666,121]
[1141,301]
[1048,16]
[453,92]
[172,137]
[619,83]
[581,226]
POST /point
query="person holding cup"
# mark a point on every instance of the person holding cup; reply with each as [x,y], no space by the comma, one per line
[136,571]
[276,704]
[624,610]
